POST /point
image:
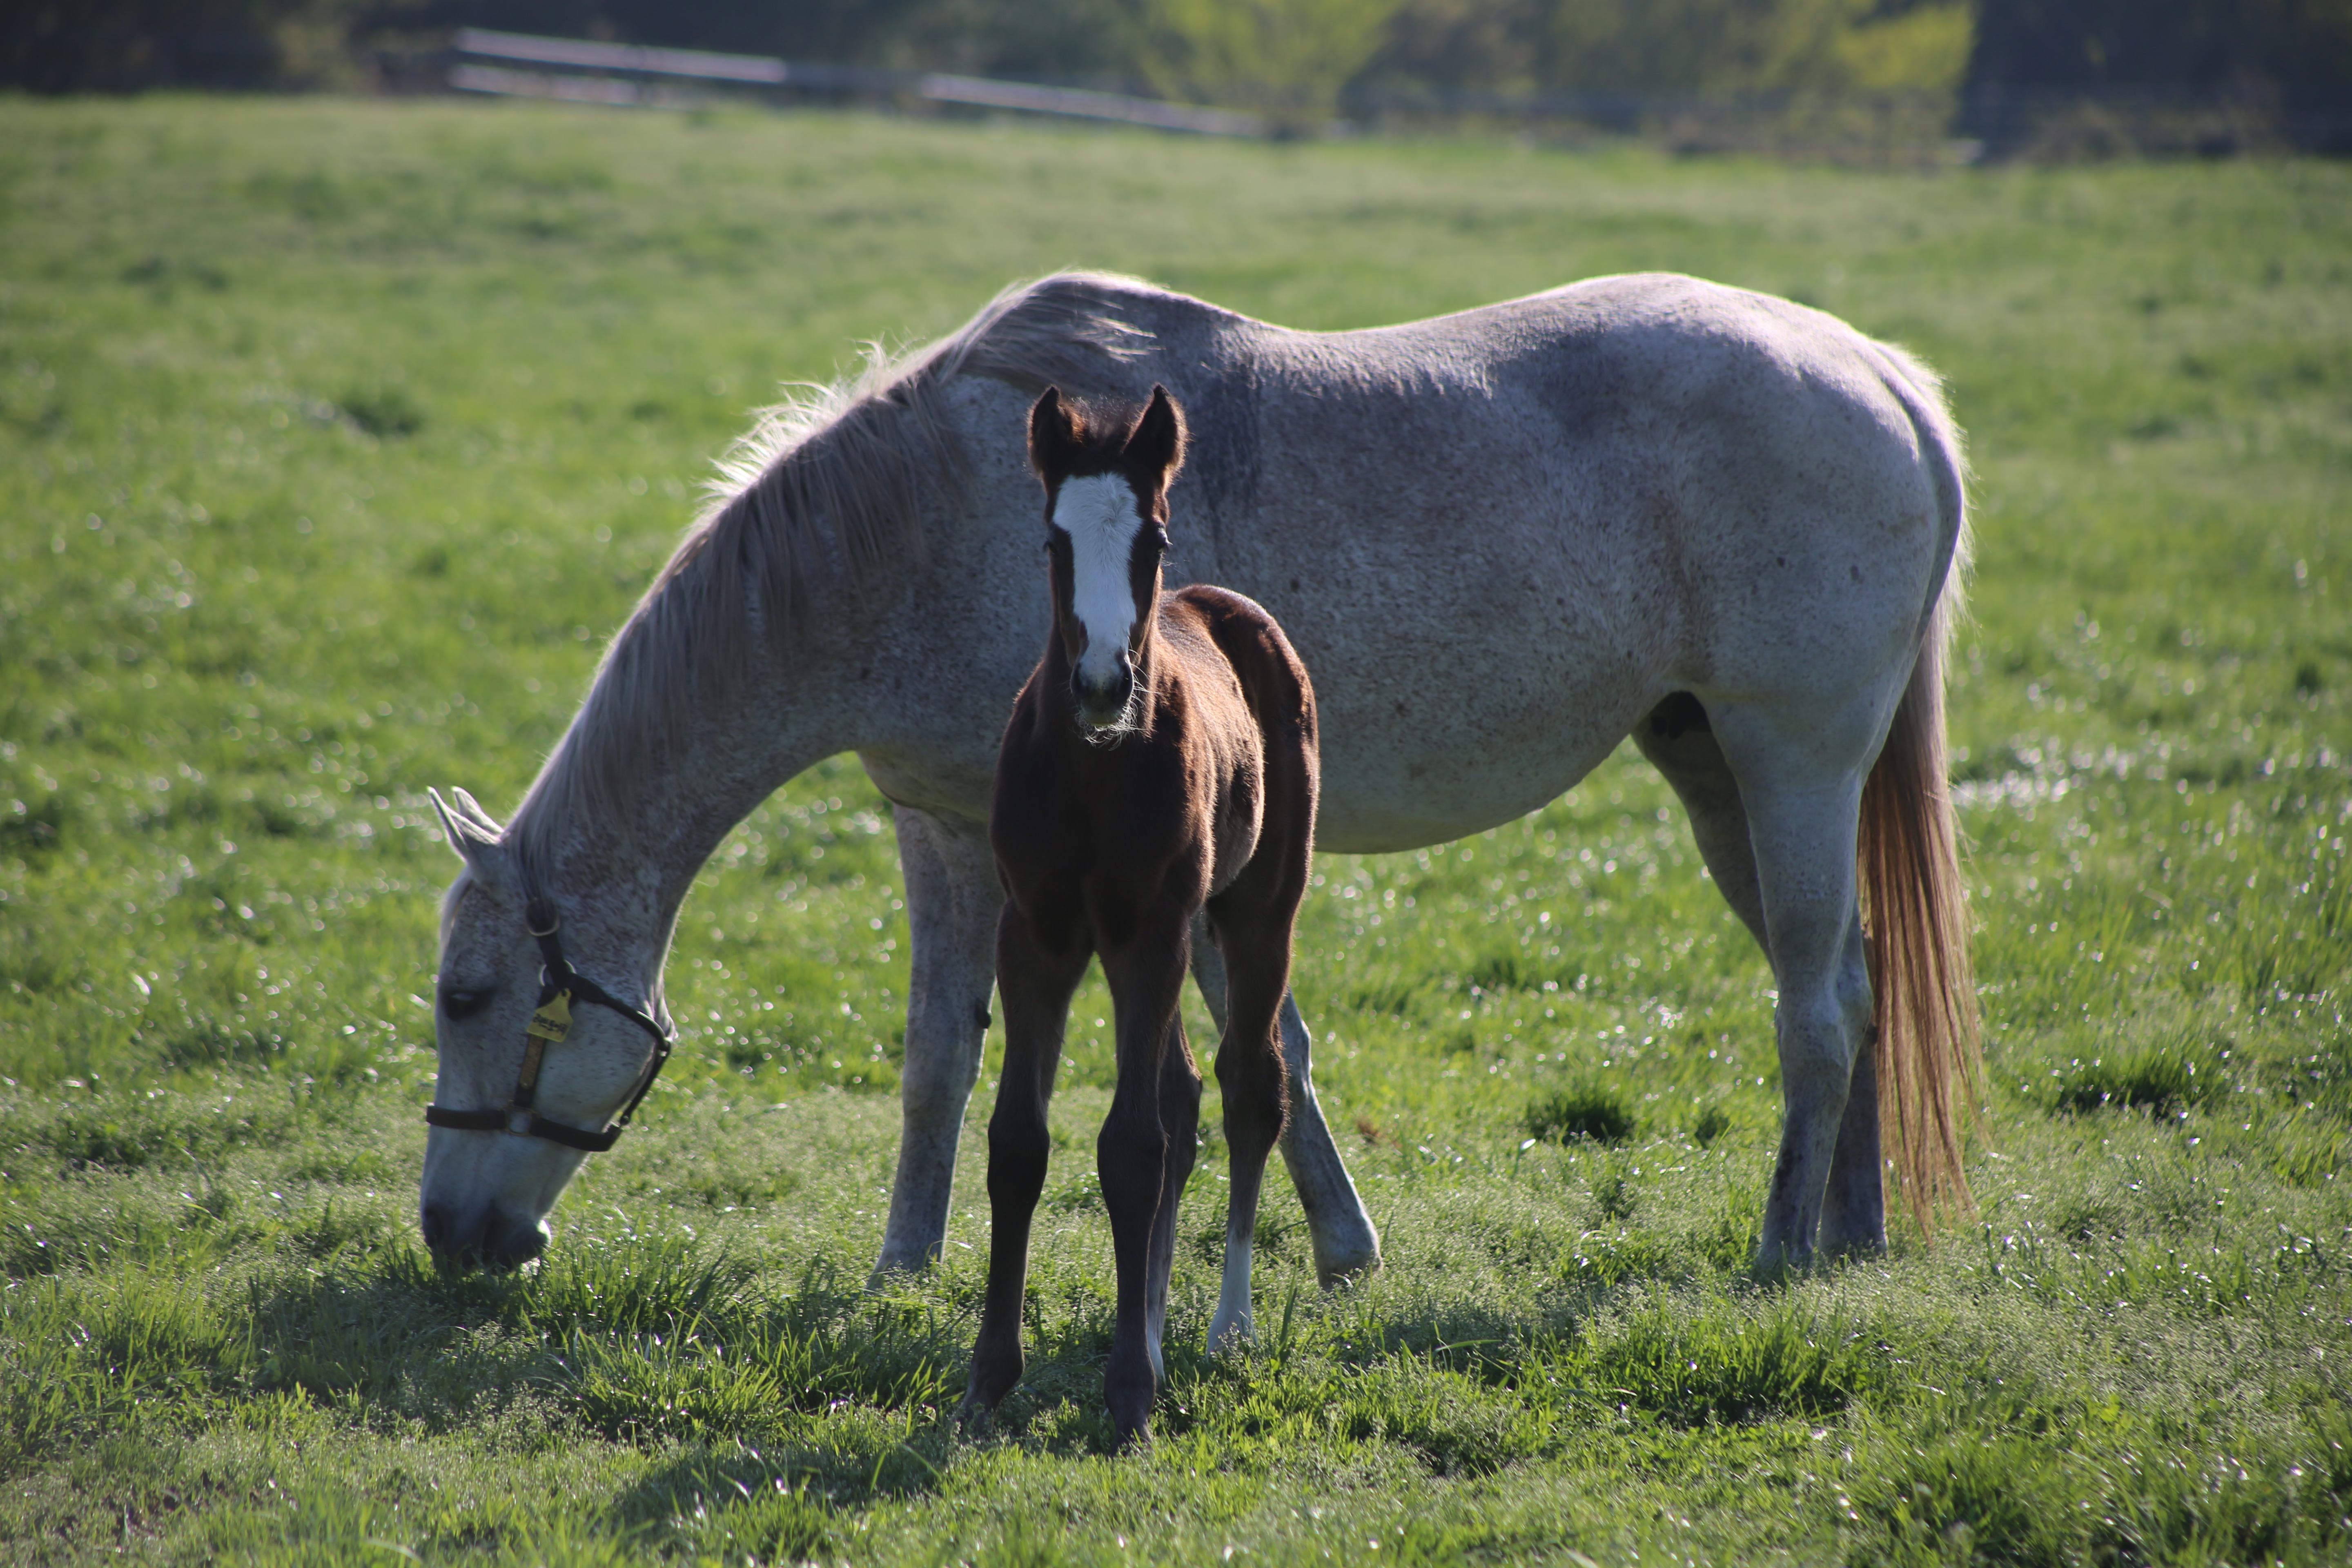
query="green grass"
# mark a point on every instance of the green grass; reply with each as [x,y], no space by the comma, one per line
[335,437]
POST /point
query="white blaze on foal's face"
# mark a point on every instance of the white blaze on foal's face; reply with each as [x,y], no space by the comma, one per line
[1100,513]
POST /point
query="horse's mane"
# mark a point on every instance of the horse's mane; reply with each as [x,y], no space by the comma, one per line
[830,485]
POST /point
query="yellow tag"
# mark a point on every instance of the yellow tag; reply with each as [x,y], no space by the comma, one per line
[553,1021]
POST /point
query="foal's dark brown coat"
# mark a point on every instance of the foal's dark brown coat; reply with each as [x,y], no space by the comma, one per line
[1109,840]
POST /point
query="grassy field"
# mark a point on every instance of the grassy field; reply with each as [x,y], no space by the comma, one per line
[335,437]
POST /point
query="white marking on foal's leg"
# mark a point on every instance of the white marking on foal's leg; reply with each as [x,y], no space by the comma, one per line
[1233,1327]
[1099,514]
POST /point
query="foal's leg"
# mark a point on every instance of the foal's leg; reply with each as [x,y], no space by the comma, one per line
[1680,742]
[1254,928]
[1345,1241]
[1145,974]
[1180,1113]
[1036,981]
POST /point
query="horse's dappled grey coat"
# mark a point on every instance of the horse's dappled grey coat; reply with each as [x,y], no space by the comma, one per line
[1502,541]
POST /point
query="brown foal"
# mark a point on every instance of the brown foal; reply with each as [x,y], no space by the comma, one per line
[1162,759]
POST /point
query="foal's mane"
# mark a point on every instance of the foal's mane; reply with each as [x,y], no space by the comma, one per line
[827,488]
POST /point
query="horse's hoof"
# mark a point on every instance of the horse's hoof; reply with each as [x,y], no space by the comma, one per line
[1346,1268]
[894,1270]
[1345,1248]
[1233,1338]
[1776,1264]
[973,1416]
[1858,1246]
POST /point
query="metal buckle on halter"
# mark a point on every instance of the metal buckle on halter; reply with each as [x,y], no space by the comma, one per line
[551,1023]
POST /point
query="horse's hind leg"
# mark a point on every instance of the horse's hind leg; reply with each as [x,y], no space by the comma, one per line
[1036,981]
[1802,812]
[1680,742]
[1345,1242]
[1853,1210]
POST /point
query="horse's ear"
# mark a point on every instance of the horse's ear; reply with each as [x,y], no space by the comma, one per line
[479,840]
[1054,432]
[1155,450]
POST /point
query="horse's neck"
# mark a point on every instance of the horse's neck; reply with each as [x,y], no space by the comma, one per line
[620,859]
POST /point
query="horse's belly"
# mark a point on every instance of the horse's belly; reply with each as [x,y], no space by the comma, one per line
[1406,785]
[1452,710]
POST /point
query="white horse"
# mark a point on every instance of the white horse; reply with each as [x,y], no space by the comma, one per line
[1727,525]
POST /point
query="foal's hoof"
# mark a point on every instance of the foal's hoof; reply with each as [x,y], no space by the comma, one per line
[974,1416]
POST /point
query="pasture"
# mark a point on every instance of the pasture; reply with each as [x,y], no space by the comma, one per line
[334,438]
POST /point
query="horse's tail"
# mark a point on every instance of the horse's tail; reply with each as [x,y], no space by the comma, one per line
[1924,1005]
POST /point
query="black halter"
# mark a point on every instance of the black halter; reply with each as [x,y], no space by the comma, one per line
[560,985]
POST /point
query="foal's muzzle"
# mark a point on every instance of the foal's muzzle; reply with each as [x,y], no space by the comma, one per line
[1103,705]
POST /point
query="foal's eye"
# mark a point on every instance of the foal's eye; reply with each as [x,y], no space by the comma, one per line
[464,1004]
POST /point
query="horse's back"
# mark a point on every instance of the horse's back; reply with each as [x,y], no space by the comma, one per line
[1501,537]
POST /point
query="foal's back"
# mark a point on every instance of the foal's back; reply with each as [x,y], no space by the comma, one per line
[1255,713]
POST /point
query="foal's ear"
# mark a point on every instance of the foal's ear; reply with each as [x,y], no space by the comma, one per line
[1054,432]
[1155,450]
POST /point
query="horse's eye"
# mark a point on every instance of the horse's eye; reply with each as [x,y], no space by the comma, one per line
[463,1004]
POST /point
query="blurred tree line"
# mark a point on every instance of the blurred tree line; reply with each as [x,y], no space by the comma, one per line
[1311,53]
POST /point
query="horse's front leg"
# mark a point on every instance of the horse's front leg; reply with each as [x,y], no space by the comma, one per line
[1035,981]
[1145,974]
[1346,1243]
[953,899]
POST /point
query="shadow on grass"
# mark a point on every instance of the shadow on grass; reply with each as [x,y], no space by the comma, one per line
[1583,1110]
[2160,1079]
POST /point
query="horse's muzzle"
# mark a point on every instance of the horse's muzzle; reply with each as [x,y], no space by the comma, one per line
[485,1238]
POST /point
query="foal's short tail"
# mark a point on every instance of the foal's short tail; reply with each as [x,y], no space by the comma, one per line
[1923,995]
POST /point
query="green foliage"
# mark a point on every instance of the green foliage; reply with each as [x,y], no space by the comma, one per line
[1293,54]
[335,438]
[1716,48]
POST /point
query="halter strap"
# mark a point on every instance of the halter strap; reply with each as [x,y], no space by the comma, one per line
[560,985]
